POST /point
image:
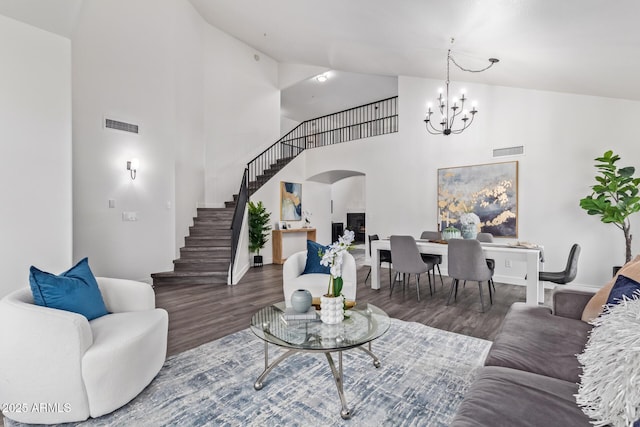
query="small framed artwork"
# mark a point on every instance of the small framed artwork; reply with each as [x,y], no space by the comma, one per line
[290,201]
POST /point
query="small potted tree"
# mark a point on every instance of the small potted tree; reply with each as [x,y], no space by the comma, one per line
[259,227]
[615,196]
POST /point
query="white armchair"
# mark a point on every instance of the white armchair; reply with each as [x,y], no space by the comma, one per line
[317,284]
[79,368]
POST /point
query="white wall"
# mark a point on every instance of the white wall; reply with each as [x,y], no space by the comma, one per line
[242,110]
[188,38]
[347,196]
[35,143]
[147,72]
[562,134]
[316,198]
[287,125]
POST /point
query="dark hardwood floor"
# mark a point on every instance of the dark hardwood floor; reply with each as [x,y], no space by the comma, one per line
[201,313]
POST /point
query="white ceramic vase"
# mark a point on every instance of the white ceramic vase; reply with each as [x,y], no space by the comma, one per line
[332,309]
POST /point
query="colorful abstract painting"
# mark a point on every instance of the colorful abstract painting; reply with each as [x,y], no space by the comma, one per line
[290,201]
[490,191]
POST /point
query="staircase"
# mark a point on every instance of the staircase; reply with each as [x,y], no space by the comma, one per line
[267,174]
[206,256]
[209,251]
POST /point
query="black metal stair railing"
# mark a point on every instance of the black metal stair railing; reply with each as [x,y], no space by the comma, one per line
[376,118]
[236,222]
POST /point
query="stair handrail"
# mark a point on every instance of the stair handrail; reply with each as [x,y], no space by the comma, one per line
[352,123]
[236,222]
[346,125]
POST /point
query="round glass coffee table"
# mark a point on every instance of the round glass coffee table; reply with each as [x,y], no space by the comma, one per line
[365,324]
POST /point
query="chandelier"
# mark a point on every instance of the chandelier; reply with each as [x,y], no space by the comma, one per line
[450,110]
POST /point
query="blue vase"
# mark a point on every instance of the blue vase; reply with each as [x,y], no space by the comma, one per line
[301,300]
[469,231]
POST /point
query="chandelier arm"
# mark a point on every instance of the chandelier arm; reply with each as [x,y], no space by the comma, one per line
[430,127]
[466,125]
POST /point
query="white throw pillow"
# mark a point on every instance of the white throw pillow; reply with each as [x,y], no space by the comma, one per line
[609,390]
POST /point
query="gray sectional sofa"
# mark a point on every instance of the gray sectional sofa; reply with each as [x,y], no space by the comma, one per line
[531,373]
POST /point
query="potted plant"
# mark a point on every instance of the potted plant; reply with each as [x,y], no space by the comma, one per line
[615,196]
[332,303]
[259,227]
[450,233]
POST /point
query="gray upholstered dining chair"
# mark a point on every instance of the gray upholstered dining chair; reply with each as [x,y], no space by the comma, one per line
[466,262]
[568,274]
[434,259]
[385,256]
[485,237]
[407,260]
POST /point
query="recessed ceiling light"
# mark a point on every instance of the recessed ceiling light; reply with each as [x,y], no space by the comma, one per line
[322,78]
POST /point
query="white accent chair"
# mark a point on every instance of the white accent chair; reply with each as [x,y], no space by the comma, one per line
[80,368]
[316,283]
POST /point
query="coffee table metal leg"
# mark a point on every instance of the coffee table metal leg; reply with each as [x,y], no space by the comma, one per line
[345,413]
[268,368]
[376,361]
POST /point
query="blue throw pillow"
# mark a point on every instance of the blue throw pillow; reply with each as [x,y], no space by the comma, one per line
[624,286]
[74,290]
[313,259]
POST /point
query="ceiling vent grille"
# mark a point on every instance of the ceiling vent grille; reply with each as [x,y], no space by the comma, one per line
[508,151]
[123,126]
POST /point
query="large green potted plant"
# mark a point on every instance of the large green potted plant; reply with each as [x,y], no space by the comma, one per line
[615,196]
[259,227]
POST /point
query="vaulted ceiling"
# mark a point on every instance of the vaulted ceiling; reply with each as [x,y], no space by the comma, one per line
[579,46]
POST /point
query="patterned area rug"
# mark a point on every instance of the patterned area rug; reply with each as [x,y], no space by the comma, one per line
[424,375]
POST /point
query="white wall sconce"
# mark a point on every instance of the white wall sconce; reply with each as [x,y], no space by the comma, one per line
[132,167]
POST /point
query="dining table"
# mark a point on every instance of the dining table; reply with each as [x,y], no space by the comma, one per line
[532,255]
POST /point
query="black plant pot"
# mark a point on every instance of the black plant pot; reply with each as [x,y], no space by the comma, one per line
[257,260]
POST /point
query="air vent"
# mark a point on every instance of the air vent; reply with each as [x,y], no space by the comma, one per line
[508,151]
[123,126]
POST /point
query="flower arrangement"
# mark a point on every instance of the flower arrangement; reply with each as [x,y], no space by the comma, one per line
[469,218]
[332,258]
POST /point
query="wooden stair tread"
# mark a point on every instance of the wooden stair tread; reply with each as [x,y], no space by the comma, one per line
[166,274]
[205,258]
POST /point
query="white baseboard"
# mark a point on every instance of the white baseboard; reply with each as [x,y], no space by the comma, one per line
[210,205]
